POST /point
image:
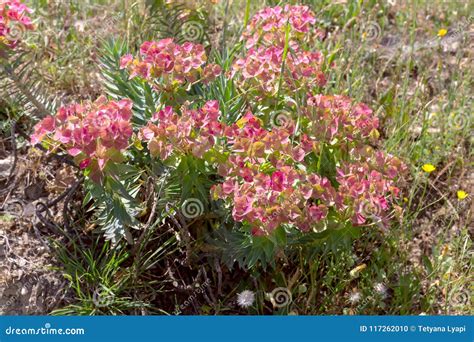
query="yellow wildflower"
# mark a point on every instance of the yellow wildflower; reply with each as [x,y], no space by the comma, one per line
[461,194]
[428,168]
[442,32]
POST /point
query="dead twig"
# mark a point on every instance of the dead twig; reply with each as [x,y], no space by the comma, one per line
[183,229]
[219,276]
[42,208]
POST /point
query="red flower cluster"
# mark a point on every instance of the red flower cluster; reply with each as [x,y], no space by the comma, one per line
[338,119]
[14,21]
[262,180]
[194,131]
[175,64]
[261,69]
[268,26]
[92,132]
[265,176]
[367,185]
[264,66]
[265,179]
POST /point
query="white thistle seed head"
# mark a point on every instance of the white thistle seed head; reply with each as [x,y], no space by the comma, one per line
[355,297]
[245,298]
[380,289]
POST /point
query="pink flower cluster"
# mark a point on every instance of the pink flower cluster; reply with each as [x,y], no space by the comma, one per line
[92,132]
[261,69]
[262,181]
[250,144]
[367,185]
[265,179]
[268,26]
[175,64]
[338,117]
[265,176]
[194,131]
[264,67]
[14,21]
[287,196]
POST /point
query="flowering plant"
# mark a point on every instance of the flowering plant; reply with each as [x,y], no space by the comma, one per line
[269,25]
[337,119]
[276,61]
[269,179]
[92,133]
[267,176]
[175,65]
[263,181]
[14,21]
[261,70]
[193,132]
[312,168]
